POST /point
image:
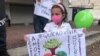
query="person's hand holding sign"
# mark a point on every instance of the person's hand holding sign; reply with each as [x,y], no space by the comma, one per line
[25,38]
[84,30]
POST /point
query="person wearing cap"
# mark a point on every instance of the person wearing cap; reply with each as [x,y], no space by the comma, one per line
[3,49]
[42,14]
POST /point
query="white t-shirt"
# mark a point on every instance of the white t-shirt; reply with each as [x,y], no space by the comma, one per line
[43,8]
[53,27]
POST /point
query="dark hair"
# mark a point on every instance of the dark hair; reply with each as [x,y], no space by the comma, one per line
[63,11]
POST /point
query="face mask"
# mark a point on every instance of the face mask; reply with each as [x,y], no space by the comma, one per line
[56,19]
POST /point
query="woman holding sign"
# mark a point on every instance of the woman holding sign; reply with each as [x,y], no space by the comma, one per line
[42,13]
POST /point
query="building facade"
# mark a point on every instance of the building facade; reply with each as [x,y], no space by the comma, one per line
[21,11]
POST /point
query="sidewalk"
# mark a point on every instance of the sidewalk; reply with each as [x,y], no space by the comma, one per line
[19,51]
[15,35]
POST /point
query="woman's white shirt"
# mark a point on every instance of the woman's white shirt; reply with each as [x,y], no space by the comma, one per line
[53,27]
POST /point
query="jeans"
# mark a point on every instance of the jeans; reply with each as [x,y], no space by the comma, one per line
[39,23]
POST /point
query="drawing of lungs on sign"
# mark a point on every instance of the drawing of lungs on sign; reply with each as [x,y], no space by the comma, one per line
[51,46]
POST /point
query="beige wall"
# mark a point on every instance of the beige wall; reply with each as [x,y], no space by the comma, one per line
[96,8]
[96,2]
[85,2]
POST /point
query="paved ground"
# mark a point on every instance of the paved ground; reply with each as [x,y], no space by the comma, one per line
[94,49]
[15,35]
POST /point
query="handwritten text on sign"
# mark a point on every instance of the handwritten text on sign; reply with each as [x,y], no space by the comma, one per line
[43,8]
[63,43]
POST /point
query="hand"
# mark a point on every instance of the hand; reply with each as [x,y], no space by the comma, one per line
[25,38]
[84,30]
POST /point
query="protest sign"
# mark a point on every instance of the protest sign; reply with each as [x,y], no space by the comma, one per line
[60,43]
[43,8]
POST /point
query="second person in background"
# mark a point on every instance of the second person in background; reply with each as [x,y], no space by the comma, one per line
[40,20]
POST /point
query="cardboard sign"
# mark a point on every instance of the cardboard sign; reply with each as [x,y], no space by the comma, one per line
[43,8]
[60,43]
